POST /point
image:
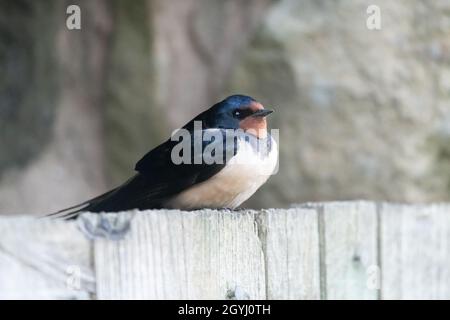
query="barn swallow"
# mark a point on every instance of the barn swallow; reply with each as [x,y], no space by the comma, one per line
[161,182]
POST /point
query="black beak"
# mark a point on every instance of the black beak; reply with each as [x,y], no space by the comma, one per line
[262,113]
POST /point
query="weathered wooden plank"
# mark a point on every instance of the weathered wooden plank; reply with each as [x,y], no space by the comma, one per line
[415,251]
[292,253]
[348,232]
[44,259]
[327,250]
[183,255]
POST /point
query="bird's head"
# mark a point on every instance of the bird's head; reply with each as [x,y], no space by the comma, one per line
[240,112]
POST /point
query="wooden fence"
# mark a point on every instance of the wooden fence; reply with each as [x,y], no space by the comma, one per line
[339,250]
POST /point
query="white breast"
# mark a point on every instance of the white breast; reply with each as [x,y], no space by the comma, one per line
[243,174]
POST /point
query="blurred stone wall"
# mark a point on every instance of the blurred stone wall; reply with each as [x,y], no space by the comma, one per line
[362,113]
[51,105]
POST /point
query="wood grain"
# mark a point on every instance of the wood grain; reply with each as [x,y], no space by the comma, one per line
[44,260]
[173,255]
[337,250]
[292,253]
[415,251]
[349,245]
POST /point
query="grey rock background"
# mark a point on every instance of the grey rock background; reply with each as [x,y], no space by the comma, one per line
[361,113]
[59,97]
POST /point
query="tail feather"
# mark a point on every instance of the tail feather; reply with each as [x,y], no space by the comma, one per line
[133,194]
[74,211]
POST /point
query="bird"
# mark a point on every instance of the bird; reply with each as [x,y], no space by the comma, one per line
[234,132]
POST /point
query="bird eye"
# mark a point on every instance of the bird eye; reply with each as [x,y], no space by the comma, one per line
[237,113]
